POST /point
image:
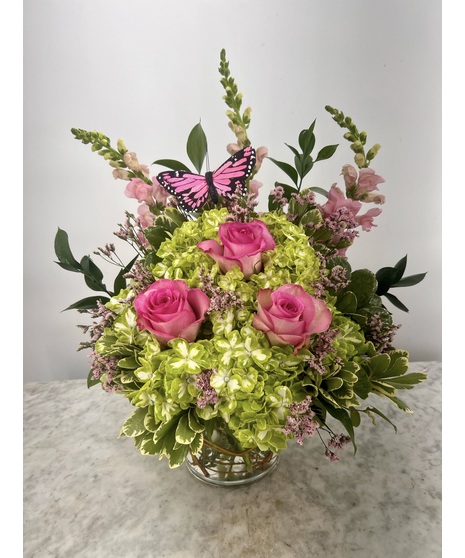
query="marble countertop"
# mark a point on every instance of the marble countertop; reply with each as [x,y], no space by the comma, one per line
[89,494]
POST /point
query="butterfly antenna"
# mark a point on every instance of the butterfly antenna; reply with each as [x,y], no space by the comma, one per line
[207,162]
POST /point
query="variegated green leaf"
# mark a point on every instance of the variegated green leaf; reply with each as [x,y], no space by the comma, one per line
[134,425]
[184,434]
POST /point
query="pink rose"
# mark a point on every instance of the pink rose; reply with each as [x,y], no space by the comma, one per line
[169,309]
[289,315]
[242,245]
[139,190]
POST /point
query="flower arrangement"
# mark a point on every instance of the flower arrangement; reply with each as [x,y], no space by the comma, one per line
[250,323]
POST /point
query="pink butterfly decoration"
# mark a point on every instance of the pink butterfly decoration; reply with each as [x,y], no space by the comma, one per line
[193,190]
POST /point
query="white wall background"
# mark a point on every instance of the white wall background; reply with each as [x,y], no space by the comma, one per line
[146,71]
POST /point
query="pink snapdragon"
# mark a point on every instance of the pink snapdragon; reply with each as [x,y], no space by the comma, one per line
[146,217]
[361,186]
[366,220]
[139,190]
[336,200]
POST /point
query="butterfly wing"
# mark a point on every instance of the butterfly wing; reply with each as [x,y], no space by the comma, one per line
[190,190]
[232,175]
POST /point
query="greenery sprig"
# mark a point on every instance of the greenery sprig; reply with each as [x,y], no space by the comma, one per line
[102,145]
[357,139]
[238,122]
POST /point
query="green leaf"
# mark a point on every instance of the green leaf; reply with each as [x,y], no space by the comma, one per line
[91,381]
[385,276]
[287,168]
[378,365]
[120,281]
[344,418]
[92,274]
[370,410]
[408,380]
[410,280]
[400,268]
[88,303]
[326,152]
[355,417]
[363,284]
[307,139]
[319,191]
[347,304]
[171,164]
[184,434]
[197,146]
[293,149]
[134,425]
[194,423]
[155,235]
[396,302]
[63,252]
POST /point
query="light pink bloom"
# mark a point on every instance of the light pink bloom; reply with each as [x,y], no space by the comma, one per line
[336,200]
[233,148]
[262,153]
[289,316]
[366,220]
[374,197]
[368,181]
[242,245]
[254,187]
[130,159]
[170,310]
[350,176]
[158,192]
[146,217]
[144,169]
[139,190]
[121,174]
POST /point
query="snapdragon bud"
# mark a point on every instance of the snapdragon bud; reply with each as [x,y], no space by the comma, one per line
[121,146]
[359,160]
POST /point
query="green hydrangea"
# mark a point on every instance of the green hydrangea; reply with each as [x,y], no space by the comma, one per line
[251,386]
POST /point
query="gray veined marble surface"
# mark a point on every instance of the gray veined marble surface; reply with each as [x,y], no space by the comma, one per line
[90,494]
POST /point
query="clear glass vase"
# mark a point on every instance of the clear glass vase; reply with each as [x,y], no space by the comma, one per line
[222,462]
